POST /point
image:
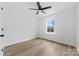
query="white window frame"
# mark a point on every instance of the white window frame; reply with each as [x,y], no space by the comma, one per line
[46,27]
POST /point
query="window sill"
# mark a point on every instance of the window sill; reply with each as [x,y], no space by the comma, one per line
[50,33]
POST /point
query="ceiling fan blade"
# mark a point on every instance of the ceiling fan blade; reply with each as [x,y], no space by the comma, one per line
[37,12]
[38,4]
[43,11]
[46,8]
[32,9]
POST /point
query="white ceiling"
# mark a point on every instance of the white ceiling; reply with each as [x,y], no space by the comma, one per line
[56,7]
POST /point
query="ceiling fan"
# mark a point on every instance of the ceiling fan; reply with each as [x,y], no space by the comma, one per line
[40,8]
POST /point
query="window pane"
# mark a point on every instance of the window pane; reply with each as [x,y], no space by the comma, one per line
[50,25]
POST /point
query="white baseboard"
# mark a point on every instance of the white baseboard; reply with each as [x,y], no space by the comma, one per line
[58,41]
[11,43]
[30,38]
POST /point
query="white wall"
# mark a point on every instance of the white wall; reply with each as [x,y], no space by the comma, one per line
[77,11]
[1,32]
[19,23]
[65,27]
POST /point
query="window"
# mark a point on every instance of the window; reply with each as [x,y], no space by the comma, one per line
[50,25]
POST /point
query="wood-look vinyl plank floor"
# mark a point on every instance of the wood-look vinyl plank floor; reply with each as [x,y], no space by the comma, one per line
[40,47]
